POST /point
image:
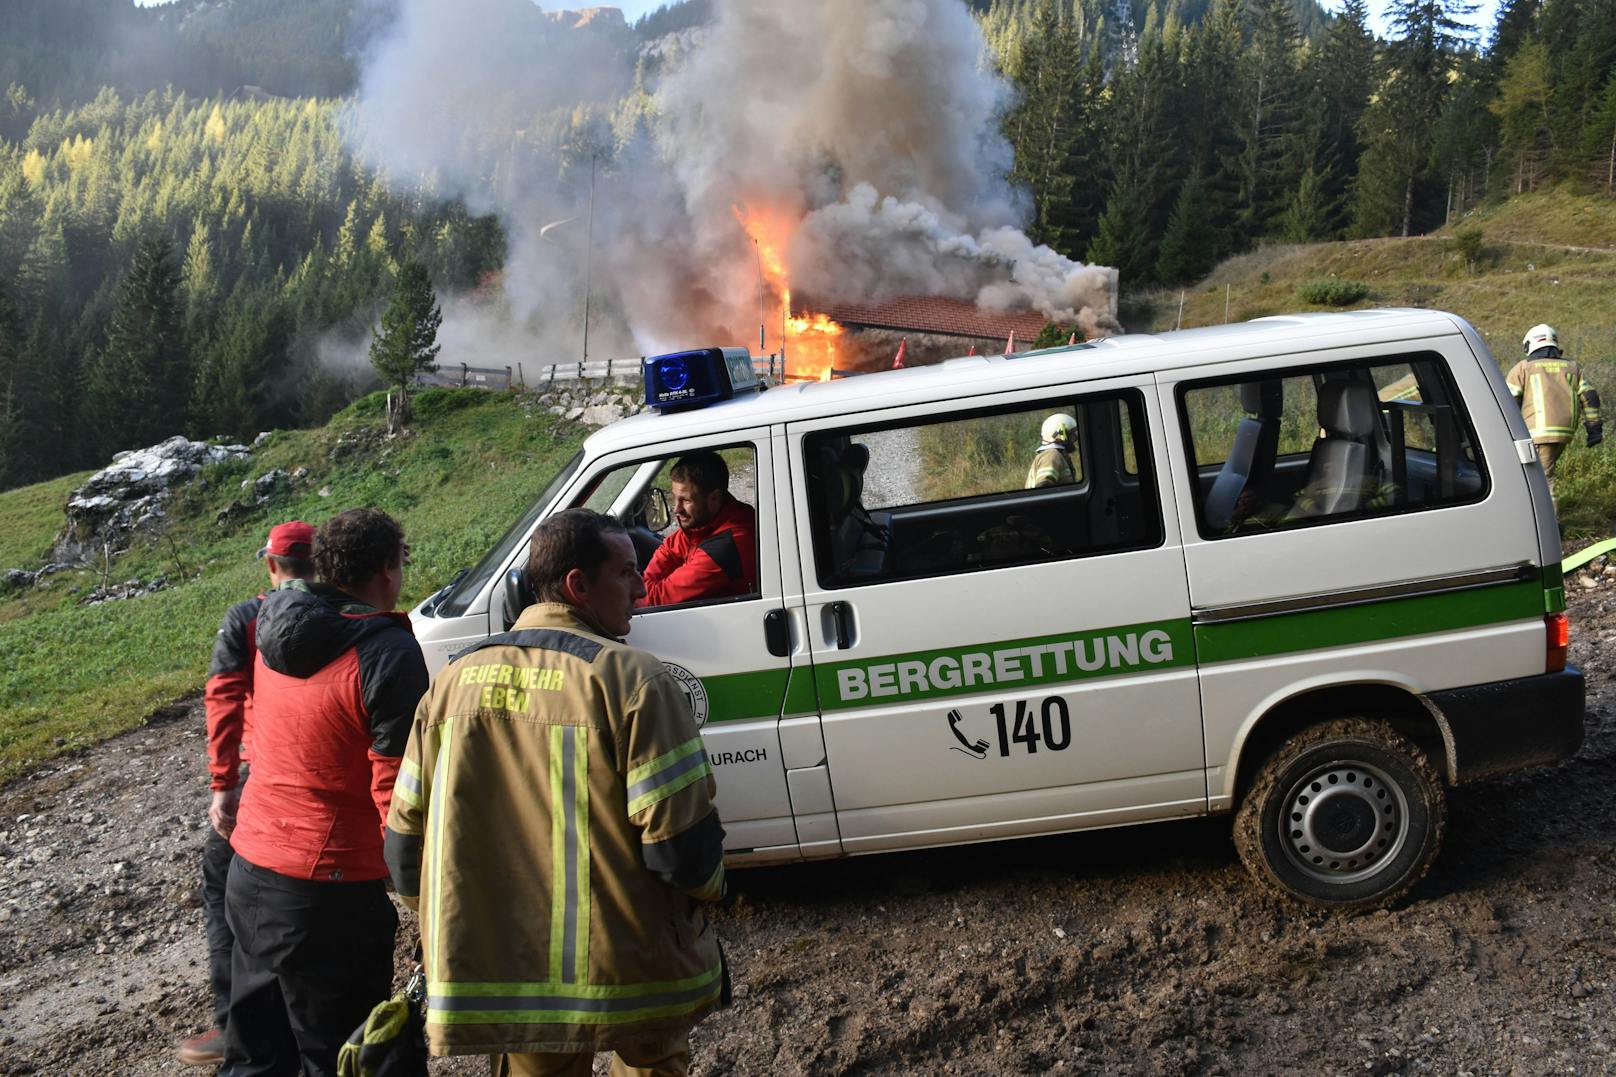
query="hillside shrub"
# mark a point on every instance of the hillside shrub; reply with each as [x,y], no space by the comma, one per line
[1332,293]
[1470,243]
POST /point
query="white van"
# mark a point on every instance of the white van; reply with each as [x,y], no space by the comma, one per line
[1308,572]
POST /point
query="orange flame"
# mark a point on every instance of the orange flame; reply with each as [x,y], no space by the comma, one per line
[810,338]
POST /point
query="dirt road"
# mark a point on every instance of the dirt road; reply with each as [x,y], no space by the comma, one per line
[1132,951]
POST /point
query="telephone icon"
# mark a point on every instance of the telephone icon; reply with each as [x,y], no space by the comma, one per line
[977,749]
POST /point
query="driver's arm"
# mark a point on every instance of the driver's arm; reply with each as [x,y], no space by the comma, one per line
[663,564]
[706,571]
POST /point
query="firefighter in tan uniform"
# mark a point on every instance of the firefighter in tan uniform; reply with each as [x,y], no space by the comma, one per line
[1052,466]
[553,823]
[1552,391]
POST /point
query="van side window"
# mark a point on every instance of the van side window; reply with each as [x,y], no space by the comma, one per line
[716,558]
[966,492]
[1310,445]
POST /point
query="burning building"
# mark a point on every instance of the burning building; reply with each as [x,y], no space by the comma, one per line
[843,150]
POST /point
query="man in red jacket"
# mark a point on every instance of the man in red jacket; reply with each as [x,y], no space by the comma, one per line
[335,684]
[714,552]
[228,699]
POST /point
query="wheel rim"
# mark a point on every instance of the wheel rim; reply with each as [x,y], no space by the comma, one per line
[1343,822]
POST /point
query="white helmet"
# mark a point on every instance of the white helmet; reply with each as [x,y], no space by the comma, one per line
[1058,428]
[1540,336]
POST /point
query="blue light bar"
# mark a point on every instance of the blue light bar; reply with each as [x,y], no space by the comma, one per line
[696,378]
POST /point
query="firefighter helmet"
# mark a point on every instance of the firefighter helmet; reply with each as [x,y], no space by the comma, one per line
[1540,336]
[1058,429]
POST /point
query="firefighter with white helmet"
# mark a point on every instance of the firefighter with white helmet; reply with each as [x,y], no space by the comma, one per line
[1553,395]
[1053,464]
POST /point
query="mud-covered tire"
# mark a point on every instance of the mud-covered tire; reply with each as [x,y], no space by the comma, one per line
[1346,815]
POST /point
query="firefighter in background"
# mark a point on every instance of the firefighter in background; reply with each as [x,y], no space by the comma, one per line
[1552,391]
[1053,464]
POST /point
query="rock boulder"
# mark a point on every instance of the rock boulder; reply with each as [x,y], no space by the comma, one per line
[128,495]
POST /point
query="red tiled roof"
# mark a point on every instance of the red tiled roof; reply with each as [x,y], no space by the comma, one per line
[931,314]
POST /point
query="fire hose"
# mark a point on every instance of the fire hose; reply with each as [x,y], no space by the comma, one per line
[1583,556]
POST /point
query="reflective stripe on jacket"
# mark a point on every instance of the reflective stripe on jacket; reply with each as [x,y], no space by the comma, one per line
[553,823]
[1552,392]
[1051,467]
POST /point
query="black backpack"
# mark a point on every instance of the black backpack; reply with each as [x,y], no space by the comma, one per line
[392,1041]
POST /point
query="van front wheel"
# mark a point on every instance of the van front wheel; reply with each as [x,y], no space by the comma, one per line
[1346,815]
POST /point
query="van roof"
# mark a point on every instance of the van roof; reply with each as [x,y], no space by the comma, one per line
[973,375]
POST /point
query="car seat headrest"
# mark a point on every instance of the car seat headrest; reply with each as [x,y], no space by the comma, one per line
[1347,409]
[1262,398]
[856,458]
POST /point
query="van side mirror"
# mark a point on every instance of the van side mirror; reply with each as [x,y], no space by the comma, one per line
[518,596]
[657,513]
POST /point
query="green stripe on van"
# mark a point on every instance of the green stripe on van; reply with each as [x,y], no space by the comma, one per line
[1312,630]
[736,697]
[1123,650]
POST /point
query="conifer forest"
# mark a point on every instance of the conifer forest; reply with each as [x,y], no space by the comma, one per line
[186,235]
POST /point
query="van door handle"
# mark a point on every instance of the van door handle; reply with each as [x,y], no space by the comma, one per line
[777,633]
[841,616]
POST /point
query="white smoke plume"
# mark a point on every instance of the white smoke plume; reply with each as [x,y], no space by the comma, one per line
[870,123]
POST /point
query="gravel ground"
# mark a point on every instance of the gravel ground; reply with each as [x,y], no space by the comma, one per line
[1143,950]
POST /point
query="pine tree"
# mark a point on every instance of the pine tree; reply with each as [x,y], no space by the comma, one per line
[1582,41]
[1397,128]
[1042,125]
[1123,238]
[1465,138]
[140,385]
[1141,151]
[1189,246]
[1209,115]
[405,344]
[1307,216]
[1599,137]
[199,280]
[1522,108]
[12,470]
[1338,75]
[253,343]
[1268,118]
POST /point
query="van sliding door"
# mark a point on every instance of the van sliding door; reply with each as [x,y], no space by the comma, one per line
[993,660]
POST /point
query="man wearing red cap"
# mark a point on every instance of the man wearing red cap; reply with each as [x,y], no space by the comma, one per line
[288,555]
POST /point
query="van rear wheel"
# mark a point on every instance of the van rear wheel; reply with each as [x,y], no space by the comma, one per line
[1346,815]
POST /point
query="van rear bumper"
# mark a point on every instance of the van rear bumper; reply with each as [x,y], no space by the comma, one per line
[1510,725]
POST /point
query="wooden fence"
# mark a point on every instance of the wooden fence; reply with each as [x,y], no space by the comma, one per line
[461,375]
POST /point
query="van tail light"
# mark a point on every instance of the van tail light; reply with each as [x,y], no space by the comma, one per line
[1558,640]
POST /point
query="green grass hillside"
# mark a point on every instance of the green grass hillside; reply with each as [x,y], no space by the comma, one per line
[1549,256]
[73,674]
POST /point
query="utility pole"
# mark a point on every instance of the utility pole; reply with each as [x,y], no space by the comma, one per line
[762,347]
[589,251]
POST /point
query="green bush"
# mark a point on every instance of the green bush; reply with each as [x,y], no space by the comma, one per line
[1054,335]
[1332,293]
[1470,244]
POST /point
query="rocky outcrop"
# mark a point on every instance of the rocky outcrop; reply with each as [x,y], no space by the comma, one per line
[128,495]
[591,404]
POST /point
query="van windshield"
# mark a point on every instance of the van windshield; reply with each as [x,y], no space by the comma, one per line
[458,600]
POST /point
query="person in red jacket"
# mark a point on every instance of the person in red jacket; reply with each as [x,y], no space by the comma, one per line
[228,699]
[714,552]
[335,685]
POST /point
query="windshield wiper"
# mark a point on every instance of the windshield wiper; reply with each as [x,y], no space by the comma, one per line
[432,604]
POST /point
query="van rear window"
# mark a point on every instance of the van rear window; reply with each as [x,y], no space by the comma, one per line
[1309,445]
